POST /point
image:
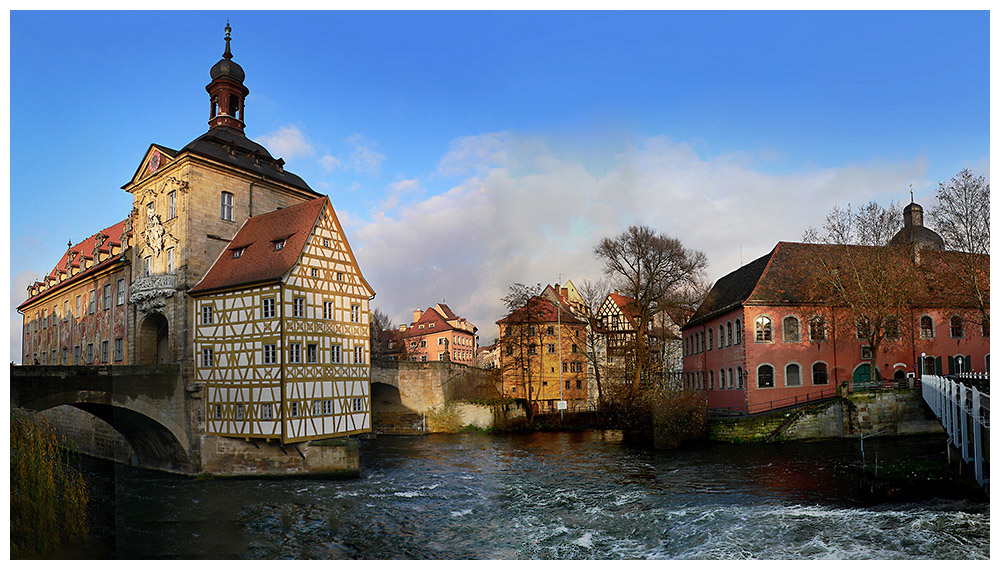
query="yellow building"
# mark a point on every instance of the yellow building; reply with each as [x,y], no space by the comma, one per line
[542,355]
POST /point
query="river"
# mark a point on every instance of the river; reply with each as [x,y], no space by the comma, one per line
[544,495]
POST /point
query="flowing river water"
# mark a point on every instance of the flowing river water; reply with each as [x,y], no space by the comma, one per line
[544,495]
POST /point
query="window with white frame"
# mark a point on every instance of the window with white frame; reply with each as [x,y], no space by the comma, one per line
[299,307]
[359,405]
[171,205]
[355,313]
[312,353]
[279,244]
[793,375]
[765,376]
[790,329]
[147,266]
[207,358]
[170,260]
[266,412]
[711,342]
[317,407]
[227,207]
[92,301]
[239,411]
[107,298]
[722,337]
[326,242]
[328,310]
[739,331]
[926,327]
[729,379]
[267,307]
[217,411]
[957,326]
[335,354]
[206,314]
[119,349]
[358,355]
[270,354]
[327,407]
[295,409]
[762,329]
[121,291]
[295,353]
[104,351]
[817,328]
[314,272]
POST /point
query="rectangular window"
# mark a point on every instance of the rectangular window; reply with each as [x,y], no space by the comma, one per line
[45,319]
[270,354]
[66,310]
[121,291]
[295,353]
[266,411]
[335,354]
[441,341]
[817,329]
[107,297]
[340,276]
[359,405]
[355,313]
[312,353]
[550,348]
[550,330]
[314,272]
[217,409]
[239,411]
[238,252]
[326,242]
[327,310]
[267,307]
[279,244]
[227,207]
[104,351]
[170,260]
[119,349]
[76,354]
[92,306]
[327,407]
[79,305]
[295,409]
[579,384]
[90,353]
[147,266]
[171,205]
[206,314]
[207,358]
[299,307]
[358,358]
[65,356]
[317,407]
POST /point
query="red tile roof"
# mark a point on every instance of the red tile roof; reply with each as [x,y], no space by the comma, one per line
[84,249]
[259,262]
[541,310]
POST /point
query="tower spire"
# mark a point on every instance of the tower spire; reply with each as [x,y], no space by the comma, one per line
[911,193]
[228,54]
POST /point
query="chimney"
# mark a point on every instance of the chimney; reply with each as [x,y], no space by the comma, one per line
[402,328]
[417,314]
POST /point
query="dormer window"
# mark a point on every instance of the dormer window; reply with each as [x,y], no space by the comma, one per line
[279,245]
[238,252]
[430,326]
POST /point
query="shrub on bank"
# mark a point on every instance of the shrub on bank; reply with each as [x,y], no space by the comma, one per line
[48,498]
[664,418]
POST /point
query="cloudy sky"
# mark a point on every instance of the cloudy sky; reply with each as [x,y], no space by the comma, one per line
[464,152]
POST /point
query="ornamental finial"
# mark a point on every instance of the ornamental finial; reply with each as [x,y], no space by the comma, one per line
[228,54]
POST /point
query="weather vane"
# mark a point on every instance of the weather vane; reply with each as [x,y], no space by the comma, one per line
[911,193]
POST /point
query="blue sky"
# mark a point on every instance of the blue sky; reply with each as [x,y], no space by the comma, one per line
[466,151]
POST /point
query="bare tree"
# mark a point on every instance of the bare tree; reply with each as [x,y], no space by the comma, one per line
[655,270]
[378,323]
[517,339]
[859,270]
[593,294]
[962,218]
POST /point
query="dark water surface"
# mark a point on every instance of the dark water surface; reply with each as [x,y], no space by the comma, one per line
[546,495]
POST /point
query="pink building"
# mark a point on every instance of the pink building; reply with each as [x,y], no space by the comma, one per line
[758,342]
[435,331]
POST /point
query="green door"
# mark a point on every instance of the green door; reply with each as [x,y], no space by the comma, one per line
[862,374]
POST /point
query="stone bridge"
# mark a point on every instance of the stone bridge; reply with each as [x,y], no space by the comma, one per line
[146,404]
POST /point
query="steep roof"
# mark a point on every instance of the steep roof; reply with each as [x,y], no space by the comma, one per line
[785,277]
[113,234]
[232,147]
[541,310]
[259,262]
[439,315]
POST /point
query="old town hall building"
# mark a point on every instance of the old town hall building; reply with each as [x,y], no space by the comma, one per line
[233,268]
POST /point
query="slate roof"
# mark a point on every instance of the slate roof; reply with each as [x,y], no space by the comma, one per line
[85,248]
[259,262]
[785,277]
[232,147]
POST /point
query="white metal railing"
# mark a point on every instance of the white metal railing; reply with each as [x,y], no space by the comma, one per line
[964,412]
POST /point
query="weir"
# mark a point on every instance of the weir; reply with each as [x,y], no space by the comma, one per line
[964,412]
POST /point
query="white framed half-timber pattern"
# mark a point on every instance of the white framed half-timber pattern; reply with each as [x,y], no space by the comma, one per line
[273,375]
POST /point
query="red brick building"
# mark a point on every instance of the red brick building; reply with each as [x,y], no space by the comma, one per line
[759,341]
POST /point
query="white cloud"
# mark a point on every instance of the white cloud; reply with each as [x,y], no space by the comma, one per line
[364,159]
[287,142]
[398,189]
[329,162]
[525,213]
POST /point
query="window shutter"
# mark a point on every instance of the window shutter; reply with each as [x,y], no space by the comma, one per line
[937,366]
[951,365]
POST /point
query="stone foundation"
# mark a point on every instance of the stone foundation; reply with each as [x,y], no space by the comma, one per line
[334,457]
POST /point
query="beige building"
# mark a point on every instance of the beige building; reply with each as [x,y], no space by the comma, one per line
[140,288]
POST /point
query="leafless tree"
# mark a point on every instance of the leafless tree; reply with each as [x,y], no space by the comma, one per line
[378,323]
[655,270]
[858,270]
[593,294]
[520,333]
[962,218]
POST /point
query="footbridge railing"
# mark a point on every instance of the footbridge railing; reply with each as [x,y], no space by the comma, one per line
[964,412]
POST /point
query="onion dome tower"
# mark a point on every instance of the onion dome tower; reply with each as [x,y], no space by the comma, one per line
[227,92]
[914,232]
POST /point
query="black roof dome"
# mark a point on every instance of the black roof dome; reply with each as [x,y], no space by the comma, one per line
[915,232]
[226,66]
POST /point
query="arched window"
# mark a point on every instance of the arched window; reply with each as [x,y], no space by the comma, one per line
[926,327]
[234,105]
[729,333]
[722,379]
[729,380]
[819,374]
[711,341]
[793,375]
[765,376]
[711,380]
[739,331]
[702,341]
[790,329]
[722,338]
[762,329]
[817,328]
[957,327]
[739,376]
